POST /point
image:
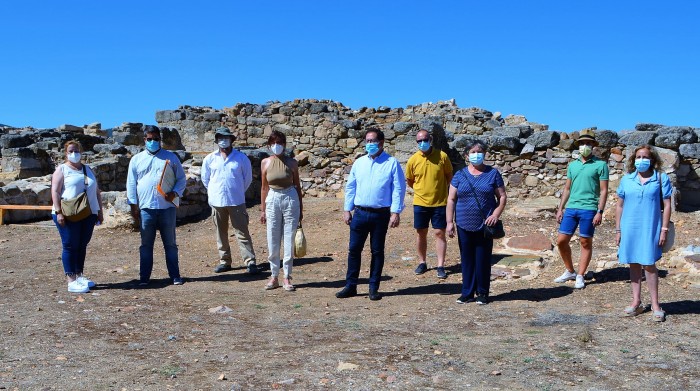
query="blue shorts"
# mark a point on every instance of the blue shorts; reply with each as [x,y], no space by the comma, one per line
[424,215]
[578,217]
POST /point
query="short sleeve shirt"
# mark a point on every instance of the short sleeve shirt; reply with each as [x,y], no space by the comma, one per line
[585,183]
[429,175]
[467,214]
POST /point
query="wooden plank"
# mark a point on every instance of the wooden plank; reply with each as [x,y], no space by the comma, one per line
[26,207]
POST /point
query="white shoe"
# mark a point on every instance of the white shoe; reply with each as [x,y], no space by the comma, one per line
[77,287]
[579,282]
[565,277]
[86,281]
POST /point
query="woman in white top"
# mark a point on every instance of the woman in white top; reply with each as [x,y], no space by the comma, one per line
[67,182]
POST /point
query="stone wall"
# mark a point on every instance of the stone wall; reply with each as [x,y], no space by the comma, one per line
[326,137]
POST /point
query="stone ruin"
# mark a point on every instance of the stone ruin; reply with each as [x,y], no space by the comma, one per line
[326,137]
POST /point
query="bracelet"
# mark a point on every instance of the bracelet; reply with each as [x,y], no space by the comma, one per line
[664,229]
[618,231]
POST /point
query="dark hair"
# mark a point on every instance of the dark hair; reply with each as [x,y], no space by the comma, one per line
[277,137]
[655,159]
[380,134]
[473,143]
[150,129]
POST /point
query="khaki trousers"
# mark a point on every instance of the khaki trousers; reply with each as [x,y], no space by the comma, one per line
[238,215]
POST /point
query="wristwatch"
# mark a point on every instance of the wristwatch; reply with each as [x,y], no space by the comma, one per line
[600,211]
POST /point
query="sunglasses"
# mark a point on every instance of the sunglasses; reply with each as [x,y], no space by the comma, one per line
[152,139]
[420,141]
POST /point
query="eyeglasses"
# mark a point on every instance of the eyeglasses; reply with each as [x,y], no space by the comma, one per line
[422,141]
[152,139]
[374,141]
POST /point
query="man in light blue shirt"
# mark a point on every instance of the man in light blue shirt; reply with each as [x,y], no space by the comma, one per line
[375,191]
[227,174]
[152,210]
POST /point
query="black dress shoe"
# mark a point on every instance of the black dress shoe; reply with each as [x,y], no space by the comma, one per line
[374,295]
[348,291]
[222,267]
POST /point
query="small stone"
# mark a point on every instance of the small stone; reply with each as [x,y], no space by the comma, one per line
[222,377]
[344,366]
[496,373]
[222,309]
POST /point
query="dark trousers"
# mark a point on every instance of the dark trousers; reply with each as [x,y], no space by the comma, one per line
[475,253]
[75,237]
[375,224]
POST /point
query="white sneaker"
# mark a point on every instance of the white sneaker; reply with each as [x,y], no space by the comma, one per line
[565,277]
[77,287]
[86,281]
[579,282]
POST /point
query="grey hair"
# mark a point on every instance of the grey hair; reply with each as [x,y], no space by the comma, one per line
[473,143]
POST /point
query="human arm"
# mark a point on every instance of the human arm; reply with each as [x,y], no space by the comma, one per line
[667,192]
[247,169]
[349,202]
[598,218]
[131,191]
[264,188]
[410,178]
[205,174]
[496,214]
[618,217]
[450,211]
[56,189]
[564,199]
[398,193]
[180,180]
[100,214]
[297,185]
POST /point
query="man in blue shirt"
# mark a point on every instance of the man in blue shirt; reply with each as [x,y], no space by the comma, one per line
[151,209]
[375,191]
[227,174]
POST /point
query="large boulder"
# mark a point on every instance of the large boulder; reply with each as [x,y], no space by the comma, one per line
[543,140]
[690,151]
[674,136]
[16,140]
[638,138]
[500,142]
[606,138]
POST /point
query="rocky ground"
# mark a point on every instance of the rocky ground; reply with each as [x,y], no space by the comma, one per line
[224,332]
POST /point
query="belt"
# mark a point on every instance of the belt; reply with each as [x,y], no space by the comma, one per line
[376,210]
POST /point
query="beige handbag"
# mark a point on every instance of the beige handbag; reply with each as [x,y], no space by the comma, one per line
[299,243]
[78,208]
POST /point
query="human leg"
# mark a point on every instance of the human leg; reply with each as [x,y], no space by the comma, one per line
[652,274]
[378,228]
[467,254]
[586,232]
[220,217]
[359,230]
[167,229]
[67,253]
[483,248]
[421,222]
[439,222]
[86,227]
[273,215]
[636,284]
[422,244]
[239,222]
[148,226]
[586,254]
[291,223]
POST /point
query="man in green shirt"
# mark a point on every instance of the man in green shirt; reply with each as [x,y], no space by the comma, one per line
[582,204]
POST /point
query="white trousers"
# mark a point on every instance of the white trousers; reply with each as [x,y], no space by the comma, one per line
[282,213]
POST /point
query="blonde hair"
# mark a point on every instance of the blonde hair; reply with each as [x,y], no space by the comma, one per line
[655,159]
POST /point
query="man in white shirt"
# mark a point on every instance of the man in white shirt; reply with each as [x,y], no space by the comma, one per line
[227,174]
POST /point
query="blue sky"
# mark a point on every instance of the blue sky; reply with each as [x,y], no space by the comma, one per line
[569,64]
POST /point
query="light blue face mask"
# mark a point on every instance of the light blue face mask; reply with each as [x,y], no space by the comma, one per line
[642,165]
[372,148]
[153,146]
[476,158]
[424,146]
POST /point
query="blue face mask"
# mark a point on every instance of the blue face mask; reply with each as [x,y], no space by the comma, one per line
[424,146]
[476,158]
[371,148]
[153,146]
[642,165]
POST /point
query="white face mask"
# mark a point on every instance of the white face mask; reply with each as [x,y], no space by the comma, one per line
[276,149]
[224,143]
[74,157]
[585,150]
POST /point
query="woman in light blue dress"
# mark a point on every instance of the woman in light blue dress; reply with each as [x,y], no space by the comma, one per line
[642,225]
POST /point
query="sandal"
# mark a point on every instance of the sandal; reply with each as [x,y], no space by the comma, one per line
[288,285]
[658,316]
[272,284]
[633,311]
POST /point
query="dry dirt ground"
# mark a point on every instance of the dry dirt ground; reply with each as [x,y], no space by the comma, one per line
[535,335]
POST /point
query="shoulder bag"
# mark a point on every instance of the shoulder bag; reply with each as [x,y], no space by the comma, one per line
[77,208]
[671,233]
[299,243]
[490,232]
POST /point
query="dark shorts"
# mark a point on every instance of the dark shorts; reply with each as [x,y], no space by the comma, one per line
[424,215]
[578,217]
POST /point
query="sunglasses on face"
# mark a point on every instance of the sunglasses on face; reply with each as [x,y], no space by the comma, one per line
[372,141]
[425,140]
[152,139]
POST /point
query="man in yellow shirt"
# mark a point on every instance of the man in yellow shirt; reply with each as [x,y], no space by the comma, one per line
[428,173]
